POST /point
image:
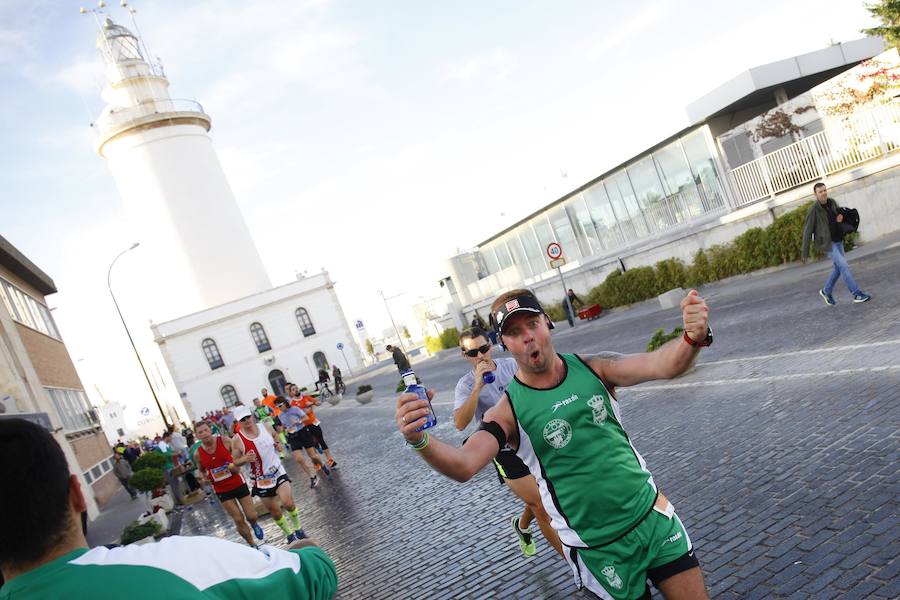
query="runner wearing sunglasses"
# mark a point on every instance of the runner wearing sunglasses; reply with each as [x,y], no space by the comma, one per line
[474,397]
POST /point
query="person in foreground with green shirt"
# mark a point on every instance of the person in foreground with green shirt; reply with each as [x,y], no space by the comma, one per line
[44,555]
[560,415]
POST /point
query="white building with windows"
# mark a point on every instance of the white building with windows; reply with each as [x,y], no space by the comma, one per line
[229,352]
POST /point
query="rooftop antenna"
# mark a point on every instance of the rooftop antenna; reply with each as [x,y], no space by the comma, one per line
[96,12]
[141,39]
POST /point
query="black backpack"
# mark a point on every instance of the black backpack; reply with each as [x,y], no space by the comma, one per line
[851,219]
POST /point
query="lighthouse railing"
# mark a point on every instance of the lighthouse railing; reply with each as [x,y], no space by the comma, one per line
[114,120]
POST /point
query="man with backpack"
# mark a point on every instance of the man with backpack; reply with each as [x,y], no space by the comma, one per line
[825,227]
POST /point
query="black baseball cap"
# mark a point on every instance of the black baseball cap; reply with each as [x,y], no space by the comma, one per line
[521,303]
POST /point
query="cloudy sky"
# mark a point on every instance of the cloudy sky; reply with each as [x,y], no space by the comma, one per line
[388,134]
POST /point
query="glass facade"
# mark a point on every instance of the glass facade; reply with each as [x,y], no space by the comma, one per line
[26,310]
[73,408]
[657,191]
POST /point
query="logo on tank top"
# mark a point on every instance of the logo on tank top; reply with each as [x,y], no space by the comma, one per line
[612,577]
[599,407]
[565,402]
[558,433]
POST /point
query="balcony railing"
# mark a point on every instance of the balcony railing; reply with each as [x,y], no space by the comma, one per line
[856,138]
[118,120]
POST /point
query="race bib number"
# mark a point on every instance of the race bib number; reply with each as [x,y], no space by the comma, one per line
[220,473]
[266,482]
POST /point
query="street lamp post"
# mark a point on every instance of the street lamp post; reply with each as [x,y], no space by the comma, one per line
[391,317]
[128,333]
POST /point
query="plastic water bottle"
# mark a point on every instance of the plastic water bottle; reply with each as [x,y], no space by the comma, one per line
[412,387]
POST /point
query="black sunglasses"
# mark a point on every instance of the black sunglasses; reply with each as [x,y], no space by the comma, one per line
[476,351]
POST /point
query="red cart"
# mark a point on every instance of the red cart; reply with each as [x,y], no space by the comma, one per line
[590,313]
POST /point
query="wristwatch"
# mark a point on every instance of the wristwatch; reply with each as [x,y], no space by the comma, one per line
[708,340]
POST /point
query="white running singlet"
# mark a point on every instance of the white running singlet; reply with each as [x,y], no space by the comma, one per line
[266,468]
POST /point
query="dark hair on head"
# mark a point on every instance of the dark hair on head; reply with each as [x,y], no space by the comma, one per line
[817,186]
[201,423]
[280,400]
[35,517]
[470,333]
[388,347]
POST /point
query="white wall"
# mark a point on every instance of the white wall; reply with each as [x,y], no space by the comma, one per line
[245,368]
[196,248]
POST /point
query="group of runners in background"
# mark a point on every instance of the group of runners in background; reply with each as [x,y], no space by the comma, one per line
[260,438]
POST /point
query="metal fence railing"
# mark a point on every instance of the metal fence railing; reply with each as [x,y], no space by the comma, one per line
[852,140]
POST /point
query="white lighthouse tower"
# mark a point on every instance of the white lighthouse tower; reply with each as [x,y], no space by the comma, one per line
[223,331]
[197,250]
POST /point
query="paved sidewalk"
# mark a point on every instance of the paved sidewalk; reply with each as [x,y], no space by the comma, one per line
[119,511]
[779,451]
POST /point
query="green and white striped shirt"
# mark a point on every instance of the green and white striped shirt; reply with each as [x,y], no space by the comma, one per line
[177,568]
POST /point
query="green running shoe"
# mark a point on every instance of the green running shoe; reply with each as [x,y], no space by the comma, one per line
[526,543]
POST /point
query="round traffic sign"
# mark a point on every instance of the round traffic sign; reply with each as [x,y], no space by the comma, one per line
[554,250]
[340,345]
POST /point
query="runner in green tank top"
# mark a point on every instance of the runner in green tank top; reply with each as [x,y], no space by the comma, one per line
[561,416]
[44,554]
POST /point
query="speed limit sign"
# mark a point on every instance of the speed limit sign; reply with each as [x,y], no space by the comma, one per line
[554,250]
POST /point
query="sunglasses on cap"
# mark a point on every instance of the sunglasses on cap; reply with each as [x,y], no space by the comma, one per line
[476,351]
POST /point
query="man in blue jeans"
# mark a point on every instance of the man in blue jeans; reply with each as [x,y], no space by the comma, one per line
[823,226]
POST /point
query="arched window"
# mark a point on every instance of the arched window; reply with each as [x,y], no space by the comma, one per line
[277,381]
[229,395]
[259,337]
[320,360]
[212,354]
[305,323]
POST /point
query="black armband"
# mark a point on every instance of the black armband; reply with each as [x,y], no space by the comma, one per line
[495,430]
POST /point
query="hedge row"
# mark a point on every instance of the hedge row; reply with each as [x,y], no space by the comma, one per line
[754,249]
[449,338]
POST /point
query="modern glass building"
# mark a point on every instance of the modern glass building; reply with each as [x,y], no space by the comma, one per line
[661,189]
[667,192]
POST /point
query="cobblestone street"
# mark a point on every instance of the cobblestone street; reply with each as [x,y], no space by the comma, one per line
[779,451]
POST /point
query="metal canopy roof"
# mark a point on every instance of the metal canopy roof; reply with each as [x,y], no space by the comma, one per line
[796,73]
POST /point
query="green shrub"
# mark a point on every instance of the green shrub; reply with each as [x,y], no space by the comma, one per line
[700,271]
[752,248]
[660,337]
[137,531]
[450,338]
[723,261]
[147,480]
[670,274]
[610,293]
[433,344]
[639,284]
[149,460]
[785,236]
[363,389]
[556,311]
[755,249]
